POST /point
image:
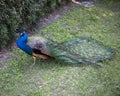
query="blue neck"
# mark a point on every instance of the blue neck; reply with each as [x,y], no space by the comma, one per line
[22,44]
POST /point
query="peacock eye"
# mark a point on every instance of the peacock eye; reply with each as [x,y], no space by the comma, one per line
[21,34]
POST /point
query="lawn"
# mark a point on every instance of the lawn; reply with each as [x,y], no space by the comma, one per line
[55,78]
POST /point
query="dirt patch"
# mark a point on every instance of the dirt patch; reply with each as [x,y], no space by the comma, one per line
[52,17]
[3,57]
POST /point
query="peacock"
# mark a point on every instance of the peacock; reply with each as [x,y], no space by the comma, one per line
[84,50]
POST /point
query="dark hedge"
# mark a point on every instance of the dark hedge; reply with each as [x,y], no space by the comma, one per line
[16,14]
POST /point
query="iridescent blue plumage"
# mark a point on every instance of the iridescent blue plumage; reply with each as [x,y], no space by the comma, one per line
[31,48]
[22,43]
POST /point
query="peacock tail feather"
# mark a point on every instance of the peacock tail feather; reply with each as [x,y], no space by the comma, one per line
[75,51]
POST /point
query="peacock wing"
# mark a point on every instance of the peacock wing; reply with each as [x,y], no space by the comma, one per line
[38,43]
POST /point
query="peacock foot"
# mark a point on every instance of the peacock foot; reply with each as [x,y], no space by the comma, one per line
[33,64]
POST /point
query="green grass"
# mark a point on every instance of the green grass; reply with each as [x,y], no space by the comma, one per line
[53,78]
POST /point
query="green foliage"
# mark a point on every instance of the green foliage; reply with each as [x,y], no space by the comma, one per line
[3,35]
[17,14]
[53,78]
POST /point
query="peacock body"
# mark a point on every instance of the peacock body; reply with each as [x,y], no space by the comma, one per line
[75,51]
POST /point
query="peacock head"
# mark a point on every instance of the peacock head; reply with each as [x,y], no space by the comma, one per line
[21,32]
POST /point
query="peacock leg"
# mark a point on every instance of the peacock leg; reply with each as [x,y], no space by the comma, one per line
[34,61]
